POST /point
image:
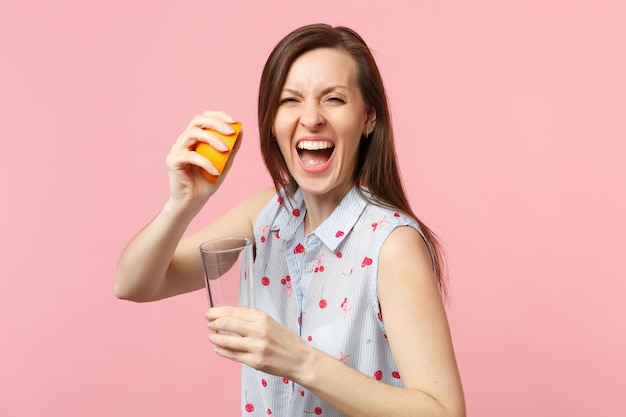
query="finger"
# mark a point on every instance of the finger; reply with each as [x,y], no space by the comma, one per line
[183,152]
[238,312]
[228,341]
[229,354]
[204,163]
[213,120]
[246,326]
[223,311]
[193,135]
[212,139]
[221,114]
[182,158]
[224,324]
[240,355]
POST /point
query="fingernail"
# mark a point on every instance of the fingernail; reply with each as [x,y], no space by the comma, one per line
[228,128]
[221,146]
[229,118]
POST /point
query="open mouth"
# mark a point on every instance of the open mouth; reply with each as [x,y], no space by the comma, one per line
[315,153]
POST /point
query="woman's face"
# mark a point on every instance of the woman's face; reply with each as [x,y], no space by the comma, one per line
[320,121]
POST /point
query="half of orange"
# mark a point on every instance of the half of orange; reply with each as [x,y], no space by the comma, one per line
[218,158]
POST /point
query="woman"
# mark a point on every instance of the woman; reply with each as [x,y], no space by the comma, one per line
[349,317]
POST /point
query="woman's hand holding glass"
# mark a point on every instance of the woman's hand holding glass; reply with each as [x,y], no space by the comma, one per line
[264,344]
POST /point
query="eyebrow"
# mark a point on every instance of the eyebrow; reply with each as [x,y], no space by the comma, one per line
[324,91]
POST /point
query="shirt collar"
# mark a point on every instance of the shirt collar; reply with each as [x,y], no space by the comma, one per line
[291,214]
[335,228]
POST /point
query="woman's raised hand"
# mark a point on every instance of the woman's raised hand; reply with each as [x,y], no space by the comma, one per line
[188,187]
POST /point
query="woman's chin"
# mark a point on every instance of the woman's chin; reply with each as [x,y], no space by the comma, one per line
[324,186]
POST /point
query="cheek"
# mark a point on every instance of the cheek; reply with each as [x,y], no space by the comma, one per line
[284,143]
[351,125]
[283,132]
[352,135]
[283,125]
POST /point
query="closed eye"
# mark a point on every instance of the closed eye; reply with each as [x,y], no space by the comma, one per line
[337,100]
[288,100]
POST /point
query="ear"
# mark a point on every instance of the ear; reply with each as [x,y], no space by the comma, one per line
[371,122]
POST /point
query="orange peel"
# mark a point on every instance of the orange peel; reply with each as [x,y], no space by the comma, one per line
[218,158]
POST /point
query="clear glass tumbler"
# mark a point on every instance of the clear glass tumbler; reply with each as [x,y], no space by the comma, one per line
[228,271]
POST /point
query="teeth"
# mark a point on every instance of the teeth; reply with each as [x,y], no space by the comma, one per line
[315,145]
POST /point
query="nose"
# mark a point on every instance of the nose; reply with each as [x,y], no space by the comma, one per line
[311,117]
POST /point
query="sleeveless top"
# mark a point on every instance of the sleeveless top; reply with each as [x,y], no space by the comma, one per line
[323,286]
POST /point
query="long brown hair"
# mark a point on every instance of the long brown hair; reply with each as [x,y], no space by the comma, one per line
[377,167]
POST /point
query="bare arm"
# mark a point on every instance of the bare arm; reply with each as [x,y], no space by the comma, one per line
[142,268]
[158,262]
[420,341]
[416,327]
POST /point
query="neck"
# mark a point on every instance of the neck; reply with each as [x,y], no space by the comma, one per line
[319,207]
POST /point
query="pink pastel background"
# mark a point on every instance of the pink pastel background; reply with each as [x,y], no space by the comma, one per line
[511,126]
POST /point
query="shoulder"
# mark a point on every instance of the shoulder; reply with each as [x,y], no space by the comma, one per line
[415,319]
[240,218]
[252,205]
[257,202]
[405,255]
